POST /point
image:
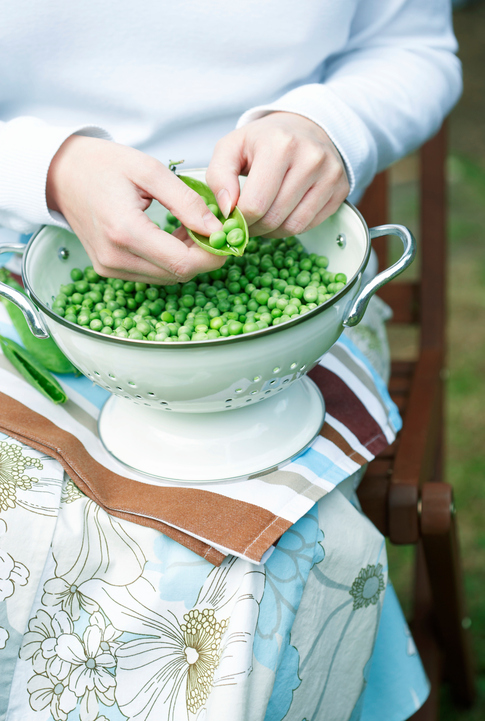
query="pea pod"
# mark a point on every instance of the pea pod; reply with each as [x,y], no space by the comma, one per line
[203,241]
[33,371]
[45,350]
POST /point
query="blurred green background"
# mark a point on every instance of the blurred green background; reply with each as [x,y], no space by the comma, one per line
[465,467]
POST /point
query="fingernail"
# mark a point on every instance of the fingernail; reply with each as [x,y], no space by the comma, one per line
[211,222]
[224,202]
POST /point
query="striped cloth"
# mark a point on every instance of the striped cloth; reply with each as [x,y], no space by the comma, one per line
[243,518]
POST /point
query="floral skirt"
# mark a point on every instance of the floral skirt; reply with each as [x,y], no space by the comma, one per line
[104,619]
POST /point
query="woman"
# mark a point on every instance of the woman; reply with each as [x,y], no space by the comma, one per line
[321,96]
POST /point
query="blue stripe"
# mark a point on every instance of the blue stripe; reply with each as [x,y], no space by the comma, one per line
[394,417]
[322,466]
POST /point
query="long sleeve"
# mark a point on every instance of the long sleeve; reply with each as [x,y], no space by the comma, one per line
[27,146]
[388,91]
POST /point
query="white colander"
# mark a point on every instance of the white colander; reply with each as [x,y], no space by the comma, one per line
[193,411]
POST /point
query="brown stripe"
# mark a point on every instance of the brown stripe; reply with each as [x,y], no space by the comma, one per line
[338,440]
[348,360]
[243,527]
[344,405]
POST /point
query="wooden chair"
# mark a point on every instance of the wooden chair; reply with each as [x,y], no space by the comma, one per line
[403,492]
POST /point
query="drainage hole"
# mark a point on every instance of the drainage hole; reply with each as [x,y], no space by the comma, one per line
[276,369]
[163,403]
[287,380]
[131,383]
[253,393]
[303,368]
[293,365]
[151,394]
[256,378]
[112,376]
[119,388]
[229,400]
[97,374]
[272,382]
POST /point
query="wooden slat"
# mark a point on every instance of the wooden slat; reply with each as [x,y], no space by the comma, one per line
[403,297]
[433,241]
[374,207]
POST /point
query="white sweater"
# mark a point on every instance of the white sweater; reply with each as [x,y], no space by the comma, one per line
[171,78]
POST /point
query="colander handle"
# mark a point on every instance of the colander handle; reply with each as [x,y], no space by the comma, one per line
[360,304]
[31,314]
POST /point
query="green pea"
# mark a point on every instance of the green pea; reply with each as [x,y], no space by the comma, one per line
[235,327]
[76,274]
[231,224]
[250,328]
[310,294]
[235,237]
[218,239]
[214,209]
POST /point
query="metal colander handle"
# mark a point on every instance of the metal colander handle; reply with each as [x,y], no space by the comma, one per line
[360,304]
[31,314]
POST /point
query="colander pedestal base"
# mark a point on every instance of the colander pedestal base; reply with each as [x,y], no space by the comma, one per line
[208,447]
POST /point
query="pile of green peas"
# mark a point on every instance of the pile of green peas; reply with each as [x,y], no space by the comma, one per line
[275,281]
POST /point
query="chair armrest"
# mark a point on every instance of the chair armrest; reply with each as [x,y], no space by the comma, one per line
[417,451]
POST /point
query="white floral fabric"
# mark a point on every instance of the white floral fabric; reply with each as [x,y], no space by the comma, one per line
[105,620]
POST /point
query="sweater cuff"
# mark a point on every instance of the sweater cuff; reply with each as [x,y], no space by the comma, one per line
[343,126]
[27,147]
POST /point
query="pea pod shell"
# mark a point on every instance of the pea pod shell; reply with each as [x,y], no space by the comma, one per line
[45,350]
[205,192]
[34,372]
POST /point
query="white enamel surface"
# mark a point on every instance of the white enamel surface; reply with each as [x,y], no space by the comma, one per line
[213,446]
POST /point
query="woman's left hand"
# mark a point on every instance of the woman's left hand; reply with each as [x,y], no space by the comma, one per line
[295,175]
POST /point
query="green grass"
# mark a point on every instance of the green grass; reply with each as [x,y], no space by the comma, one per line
[465,457]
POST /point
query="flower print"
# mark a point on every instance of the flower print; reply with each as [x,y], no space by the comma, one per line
[90,664]
[11,573]
[12,466]
[70,492]
[39,643]
[45,691]
[4,636]
[177,658]
[368,586]
[202,640]
[59,592]
[109,632]
[107,552]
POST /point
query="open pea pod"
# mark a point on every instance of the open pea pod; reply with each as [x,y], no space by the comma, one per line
[203,241]
[33,371]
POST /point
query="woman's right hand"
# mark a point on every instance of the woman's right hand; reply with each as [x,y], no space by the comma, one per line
[103,189]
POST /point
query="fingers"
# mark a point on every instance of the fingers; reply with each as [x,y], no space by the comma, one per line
[319,202]
[227,163]
[163,185]
[140,248]
[294,173]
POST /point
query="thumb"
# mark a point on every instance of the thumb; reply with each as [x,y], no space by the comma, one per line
[224,168]
[182,201]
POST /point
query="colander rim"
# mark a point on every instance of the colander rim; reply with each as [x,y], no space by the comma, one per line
[177,345]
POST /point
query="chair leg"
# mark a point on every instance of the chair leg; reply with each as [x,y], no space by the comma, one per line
[423,630]
[442,558]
